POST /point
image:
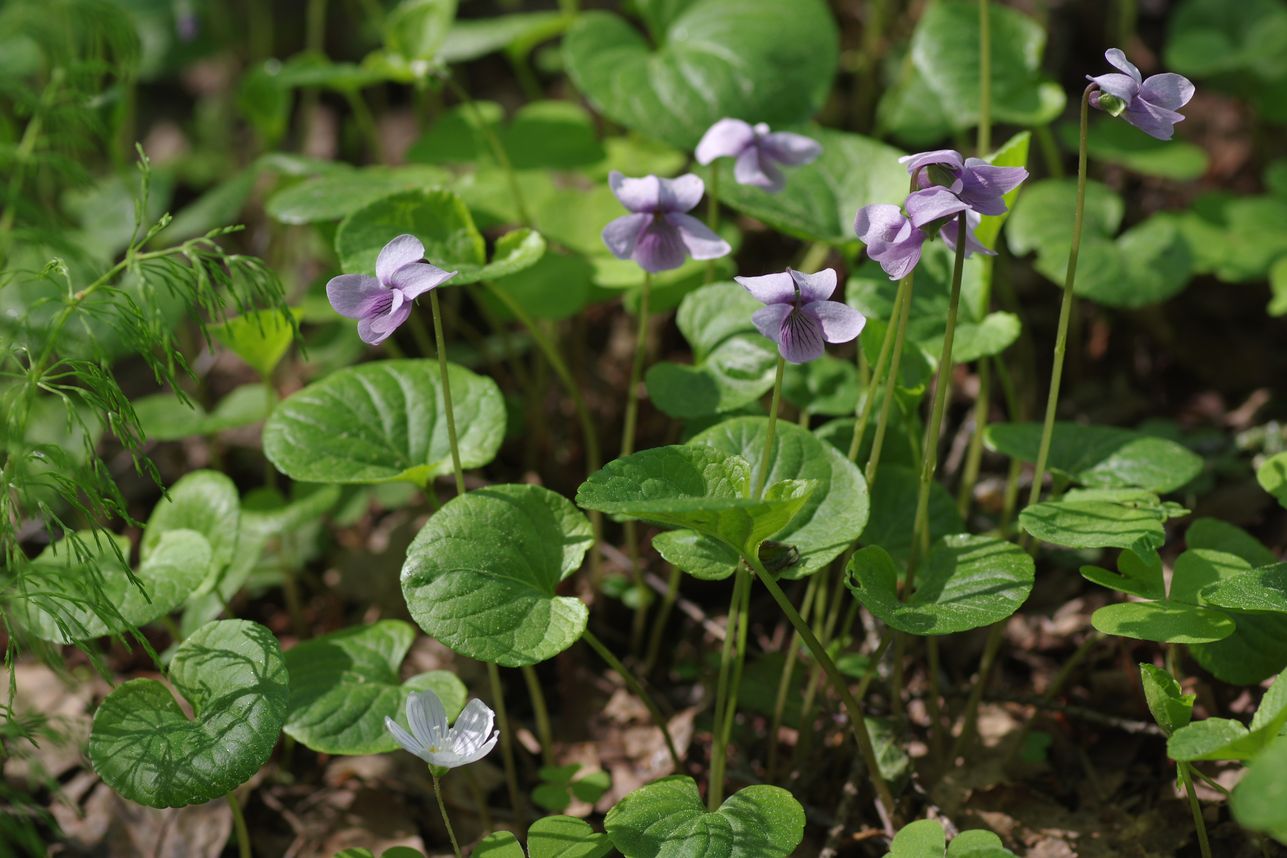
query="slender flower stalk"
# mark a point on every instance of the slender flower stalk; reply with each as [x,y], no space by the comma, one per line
[633,684]
[440,344]
[891,381]
[442,809]
[239,826]
[494,143]
[766,458]
[784,681]
[929,452]
[540,712]
[730,663]
[506,742]
[627,447]
[1065,306]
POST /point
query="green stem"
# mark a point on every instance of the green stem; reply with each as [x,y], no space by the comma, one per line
[985,81]
[974,455]
[659,621]
[506,742]
[732,652]
[628,447]
[766,458]
[971,716]
[239,827]
[441,344]
[1198,822]
[633,684]
[852,706]
[784,681]
[498,149]
[442,808]
[365,123]
[929,451]
[1065,307]
[712,214]
[883,369]
[1049,151]
[541,712]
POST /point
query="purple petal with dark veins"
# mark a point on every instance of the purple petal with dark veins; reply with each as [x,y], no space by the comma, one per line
[621,234]
[417,278]
[356,295]
[814,287]
[770,288]
[725,139]
[840,323]
[660,247]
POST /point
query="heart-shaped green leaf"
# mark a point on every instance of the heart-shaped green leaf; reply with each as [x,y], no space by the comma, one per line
[343,685]
[1147,264]
[668,819]
[1164,622]
[754,59]
[835,513]
[967,582]
[232,675]
[204,501]
[69,596]
[820,198]
[1101,455]
[1259,800]
[441,220]
[1235,237]
[1272,476]
[1170,706]
[482,575]
[335,195]
[696,488]
[1224,739]
[383,422]
[1100,518]
[732,365]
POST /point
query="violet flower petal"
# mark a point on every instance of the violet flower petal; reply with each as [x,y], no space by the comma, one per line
[659,247]
[727,138]
[377,329]
[681,194]
[417,278]
[355,295]
[916,161]
[1168,91]
[840,323]
[791,149]
[697,237]
[1118,60]
[931,204]
[878,224]
[972,244]
[814,287]
[1152,120]
[637,195]
[770,288]
[983,186]
[403,250]
[621,234]
[800,337]
[752,168]
[1118,85]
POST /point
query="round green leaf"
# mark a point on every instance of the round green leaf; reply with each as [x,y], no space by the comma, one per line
[756,59]
[1101,455]
[232,675]
[924,838]
[696,488]
[482,575]
[441,220]
[335,195]
[204,501]
[820,198]
[382,422]
[1263,589]
[556,287]
[1272,477]
[499,844]
[343,685]
[967,582]
[565,837]
[668,819]
[834,514]
[1099,518]
[1163,622]
[70,598]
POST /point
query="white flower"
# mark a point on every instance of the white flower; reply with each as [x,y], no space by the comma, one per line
[430,739]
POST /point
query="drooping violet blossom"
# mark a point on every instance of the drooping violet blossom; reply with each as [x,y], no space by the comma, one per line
[798,315]
[659,235]
[383,302]
[758,151]
[977,183]
[1150,105]
[470,739]
[894,239]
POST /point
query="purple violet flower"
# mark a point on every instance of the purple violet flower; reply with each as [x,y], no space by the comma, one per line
[658,235]
[383,302]
[977,183]
[1150,105]
[797,315]
[894,239]
[758,151]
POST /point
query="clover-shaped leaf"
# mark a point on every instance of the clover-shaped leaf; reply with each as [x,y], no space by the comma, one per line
[668,819]
[384,422]
[1225,739]
[732,363]
[696,488]
[780,72]
[829,521]
[925,838]
[482,575]
[343,685]
[82,591]
[967,582]
[145,747]
[550,837]
[1170,706]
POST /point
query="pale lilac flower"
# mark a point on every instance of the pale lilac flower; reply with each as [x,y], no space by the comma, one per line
[797,315]
[977,183]
[758,151]
[659,235]
[470,739]
[1150,105]
[894,239]
[383,302]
